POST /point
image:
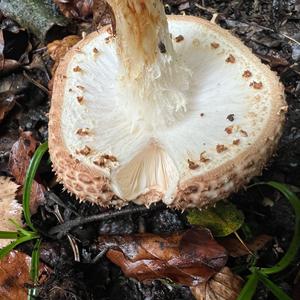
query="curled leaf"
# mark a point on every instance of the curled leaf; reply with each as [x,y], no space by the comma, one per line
[19,160]
[9,207]
[222,220]
[223,286]
[189,257]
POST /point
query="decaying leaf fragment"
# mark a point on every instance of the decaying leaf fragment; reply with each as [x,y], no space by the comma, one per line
[9,207]
[7,102]
[19,160]
[14,275]
[223,286]
[75,8]
[189,257]
[222,220]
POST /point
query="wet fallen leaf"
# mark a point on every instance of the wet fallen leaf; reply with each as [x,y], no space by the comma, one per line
[8,66]
[19,160]
[75,8]
[189,257]
[9,207]
[222,220]
[236,249]
[57,49]
[223,286]
[14,275]
[7,102]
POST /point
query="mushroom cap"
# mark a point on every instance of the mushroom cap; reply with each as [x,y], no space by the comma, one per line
[234,119]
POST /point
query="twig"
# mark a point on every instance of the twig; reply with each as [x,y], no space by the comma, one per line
[51,197]
[71,239]
[40,86]
[64,228]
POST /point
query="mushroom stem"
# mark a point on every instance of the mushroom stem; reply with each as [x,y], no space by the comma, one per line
[154,80]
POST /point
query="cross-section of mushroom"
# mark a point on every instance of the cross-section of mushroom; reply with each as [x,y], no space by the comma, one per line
[173,109]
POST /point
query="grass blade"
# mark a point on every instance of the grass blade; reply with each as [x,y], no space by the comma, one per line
[5,250]
[34,270]
[276,291]
[249,288]
[9,235]
[289,256]
[30,174]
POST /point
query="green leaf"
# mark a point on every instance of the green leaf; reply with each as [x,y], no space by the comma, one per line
[222,220]
[9,235]
[276,291]
[292,251]
[34,270]
[34,164]
[5,250]
[249,288]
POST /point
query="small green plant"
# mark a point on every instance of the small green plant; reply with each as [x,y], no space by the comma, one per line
[22,235]
[261,274]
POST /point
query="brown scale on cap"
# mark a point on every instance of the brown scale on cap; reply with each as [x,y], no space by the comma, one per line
[256,85]
[221,148]
[247,74]
[193,165]
[179,38]
[214,45]
[230,59]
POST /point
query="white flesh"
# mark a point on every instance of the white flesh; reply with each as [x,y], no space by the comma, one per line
[153,153]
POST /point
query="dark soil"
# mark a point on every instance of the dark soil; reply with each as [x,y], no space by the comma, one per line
[272,29]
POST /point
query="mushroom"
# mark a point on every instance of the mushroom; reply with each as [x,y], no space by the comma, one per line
[145,116]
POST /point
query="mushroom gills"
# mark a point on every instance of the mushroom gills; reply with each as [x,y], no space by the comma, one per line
[150,170]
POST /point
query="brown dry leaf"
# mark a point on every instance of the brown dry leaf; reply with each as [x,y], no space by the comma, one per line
[9,207]
[19,160]
[78,9]
[8,65]
[236,249]
[7,102]
[14,275]
[223,286]
[57,49]
[189,257]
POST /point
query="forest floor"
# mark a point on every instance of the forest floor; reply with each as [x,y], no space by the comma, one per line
[271,28]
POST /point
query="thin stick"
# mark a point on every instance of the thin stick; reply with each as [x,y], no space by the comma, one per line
[64,228]
[40,86]
[71,240]
[243,243]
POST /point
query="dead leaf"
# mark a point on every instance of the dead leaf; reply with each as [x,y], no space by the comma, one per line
[7,102]
[78,9]
[9,207]
[14,275]
[8,66]
[57,49]
[236,249]
[189,257]
[19,160]
[223,286]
